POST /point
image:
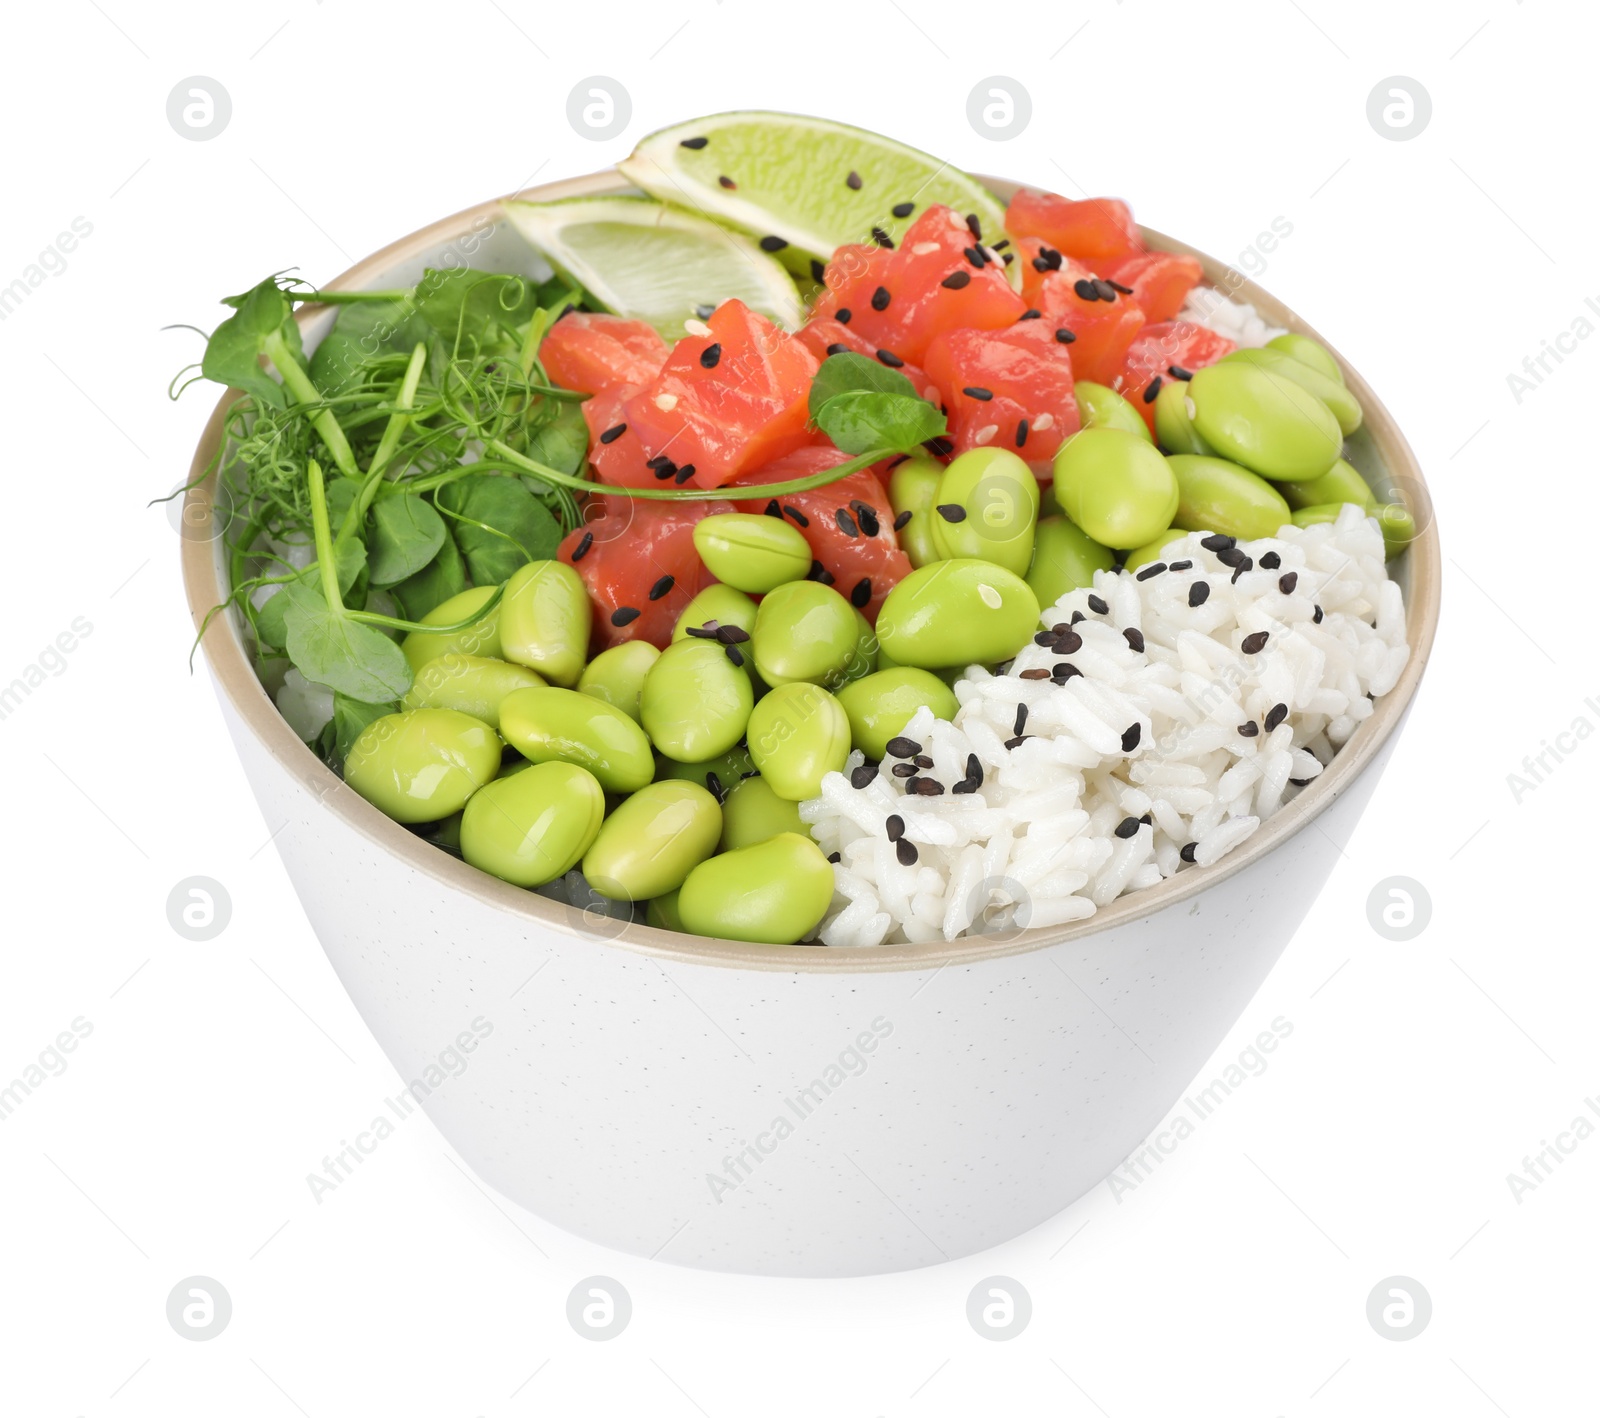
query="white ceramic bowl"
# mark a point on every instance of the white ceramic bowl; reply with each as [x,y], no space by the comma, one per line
[785,1110]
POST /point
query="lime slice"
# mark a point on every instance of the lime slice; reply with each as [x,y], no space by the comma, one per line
[652,262]
[807,182]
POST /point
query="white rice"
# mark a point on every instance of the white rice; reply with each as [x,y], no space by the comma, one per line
[1037,843]
[1208,306]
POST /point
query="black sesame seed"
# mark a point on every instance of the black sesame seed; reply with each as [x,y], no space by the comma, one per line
[1064,670]
[1017,742]
[659,462]
[1300,782]
[1086,290]
[1130,737]
[853,181]
[904,770]
[1077,616]
[865,517]
[772,509]
[731,634]
[1048,259]
[847,523]
[894,827]
[974,255]
[835,858]
[880,298]
[964,785]
[1045,637]
[661,587]
[727,182]
[1135,639]
[820,573]
[1180,566]
[905,852]
[695,143]
[1217,542]
[733,653]
[952,511]
[1151,390]
[1019,723]
[1316,615]
[1128,827]
[1108,289]
[818,270]
[710,355]
[795,515]
[925,787]
[940,446]
[705,312]
[974,769]
[1030,314]
[1065,337]
[957,280]
[842,315]
[977,391]
[703,632]
[582,549]
[1034,674]
[861,592]
[1231,556]
[880,236]
[862,776]
[683,474]
[1098,606]
[714,786]
[772,243]
[1007,257]
[890,358]
[1271,561]
[1199,591]
[1249,729]
[923,761]
[1276,715]
[1001,245]
[1155,568]
[902,747]
[837,348]
[1254,644]
[624,615]
[1244,565]
[1068,641]
[903,520]
[612,434]
[1177,371]
[1120,288]
[1186,852]
[1288,581]
[974,226]
[1022,432]
[902,209]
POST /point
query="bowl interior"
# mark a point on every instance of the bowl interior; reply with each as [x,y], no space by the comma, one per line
[481,237]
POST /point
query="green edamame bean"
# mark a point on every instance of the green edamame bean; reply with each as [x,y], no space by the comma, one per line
[1398,526]
[986,508]
[423,764]
[1264,422]
[534,826]
[803,631]
[482,637]
[773,893]
[695,702]
[723,604]
[471,683]
[961,612]
[913,487]
[662,913]
[1151,550]
[798,733]
[879,706]
[617,675]
[947,674]
[718,774]
[750,551]
[754,813]
[1341,483]
[1065,558]
[652,841]
[560,725]
[1308,352]
[1215,495]
[1341,402]
[544,621]
[1114,486]
[863,659]
[1102,407]
[1174,428]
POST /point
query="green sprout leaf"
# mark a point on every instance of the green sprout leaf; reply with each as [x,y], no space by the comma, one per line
[859,421]
[443,577]
[849,373]
[406,535]
[233,353]
[329,648]
[499,525]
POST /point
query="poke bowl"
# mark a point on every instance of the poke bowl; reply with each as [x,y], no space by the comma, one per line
[965,1055]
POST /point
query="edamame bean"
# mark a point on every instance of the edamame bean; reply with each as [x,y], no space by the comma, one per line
[754,813]
[482,637]
[696,701]
[534,826]
[617,675]
[1065,558]
[560,725]
[1341,483]
[718,774]
[962,612]
[986,507]
[1114,486]
[1341,402]
[544,621]
[1215,495]
[423,764]
[662,913]
[1102,407]
[1308,352]
[1270,425]
[1152,550]
[879,706]
[1398,526]
[948,674]
[773,893]
[652,841]
[1174,428]
[724,605]
[803,631]
[913,487]
[798,733]
[750,551]
[471,683]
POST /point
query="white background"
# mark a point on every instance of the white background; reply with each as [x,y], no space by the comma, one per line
[1234,1280]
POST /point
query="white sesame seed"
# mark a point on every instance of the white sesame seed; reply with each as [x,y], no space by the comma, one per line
[666,402]
[696,327]
[1188,406]
[987,432]
[925,248]
[1043,422]
[989,596]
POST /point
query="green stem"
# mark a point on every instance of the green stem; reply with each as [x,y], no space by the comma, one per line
[327,567]
[374,618]
[405,400]
[344,297]
[300,387]
[698,494]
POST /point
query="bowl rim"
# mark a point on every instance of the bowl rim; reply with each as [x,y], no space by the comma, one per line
[237,683]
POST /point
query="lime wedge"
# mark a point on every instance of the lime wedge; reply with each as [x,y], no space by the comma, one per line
[652,262]
[807,182]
